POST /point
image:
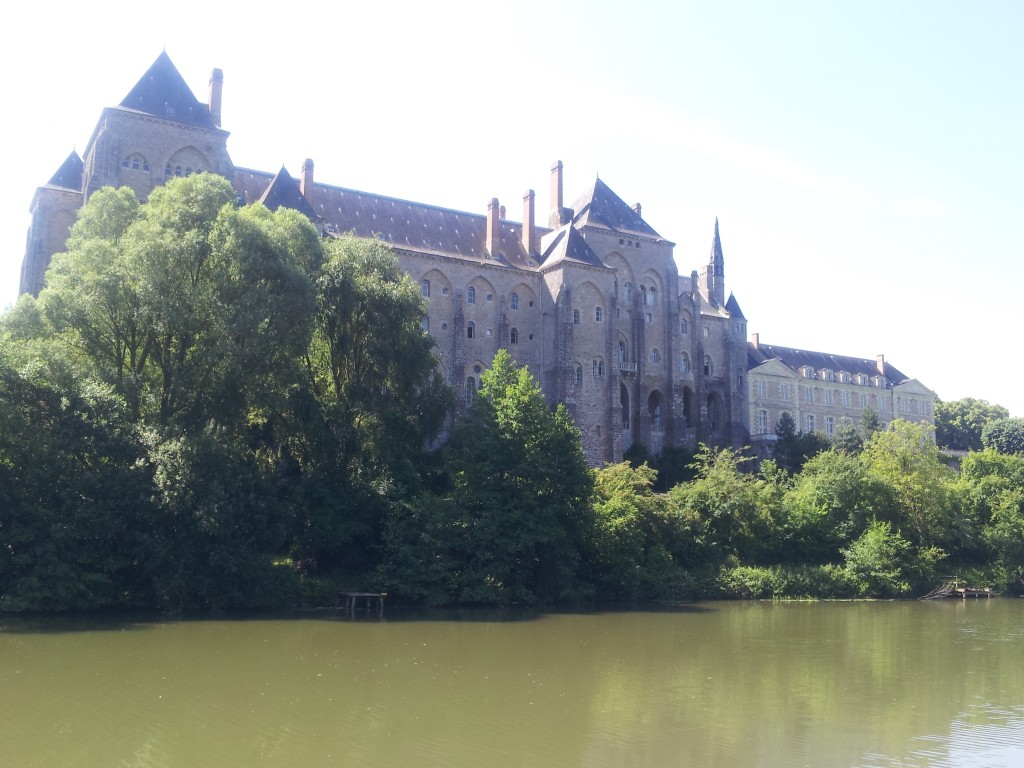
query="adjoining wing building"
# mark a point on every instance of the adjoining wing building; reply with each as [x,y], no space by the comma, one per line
[587,296]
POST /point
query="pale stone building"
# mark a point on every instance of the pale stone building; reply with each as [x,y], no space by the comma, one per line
[590,299]
[821,391]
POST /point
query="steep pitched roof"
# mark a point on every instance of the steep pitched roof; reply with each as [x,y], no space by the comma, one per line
[716,257]
[284,192]
[733,307]
[798,358]
[406,225]
[162,92]
[69,175]
[569,245]
[600,207]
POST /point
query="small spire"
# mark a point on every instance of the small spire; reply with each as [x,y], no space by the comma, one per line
[716,247]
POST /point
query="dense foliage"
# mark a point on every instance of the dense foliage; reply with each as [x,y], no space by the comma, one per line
[210,407]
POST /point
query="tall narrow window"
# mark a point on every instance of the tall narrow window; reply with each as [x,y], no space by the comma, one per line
[471,295]
[579,375]
[684,363]
[708,368]
[425,289]
[655,356]
[575,317]
[762,422]
[513,336]
[425,324]
[683,327]
[622,351]
[597,314]
[470,330]
[470,389]
[513,301]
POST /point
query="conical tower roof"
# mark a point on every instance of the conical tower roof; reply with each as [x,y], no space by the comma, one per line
[163,93]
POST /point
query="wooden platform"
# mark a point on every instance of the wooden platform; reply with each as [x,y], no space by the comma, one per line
[953,588]
[349,600]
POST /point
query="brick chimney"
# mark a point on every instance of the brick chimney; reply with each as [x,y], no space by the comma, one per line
[216,93]
[755,339]
[306,180]
[880,364]
[528,205]
[492,228]
[555,218]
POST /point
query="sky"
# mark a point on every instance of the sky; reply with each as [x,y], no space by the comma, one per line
[865,160]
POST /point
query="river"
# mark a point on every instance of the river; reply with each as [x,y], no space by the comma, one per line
[708,685]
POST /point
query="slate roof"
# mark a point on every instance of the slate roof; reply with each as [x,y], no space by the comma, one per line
[163,93]
[795,359]
[69,175]
[569,245]
[600,207]
[284,191]
[733,308]
[404,224]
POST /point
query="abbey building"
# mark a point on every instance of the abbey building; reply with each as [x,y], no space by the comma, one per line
[586,294]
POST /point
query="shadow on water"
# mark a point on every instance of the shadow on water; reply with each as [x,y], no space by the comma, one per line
[67,623]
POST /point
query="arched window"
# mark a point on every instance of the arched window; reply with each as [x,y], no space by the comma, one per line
[513,336]
[683,326]
[652,295]
[599,367]
[575,317]
[684,363]
[425,289]
[628,291]
[471,295]
[513,301]
[597,314]
[579,375]
[622,352]
[470,329]
[708,368]
[643,295]
[654,409]
[470,389]
[177,170]
[655,356]
[713,413]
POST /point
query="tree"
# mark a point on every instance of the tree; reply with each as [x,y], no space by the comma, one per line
[884,564]
[905,460]
[517,521]
[1004,435]
[722,512]
[793,448]
[960,423]
[190,307]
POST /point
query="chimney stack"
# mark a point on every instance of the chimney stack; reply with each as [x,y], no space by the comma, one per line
[528,204]
[880,364]
[306,181]
[755,339]
[492,228]
[216,93]
[555,219]
[637,209]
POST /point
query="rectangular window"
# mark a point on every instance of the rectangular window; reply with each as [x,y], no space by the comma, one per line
[846,399]
[828,397]
[809,395]
[830,425]
[810,423]
[784,391]
[760,388]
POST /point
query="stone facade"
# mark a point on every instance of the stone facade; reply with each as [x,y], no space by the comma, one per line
[821,391]
[592,302]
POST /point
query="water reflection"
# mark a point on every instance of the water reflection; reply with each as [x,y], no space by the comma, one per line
[718,684]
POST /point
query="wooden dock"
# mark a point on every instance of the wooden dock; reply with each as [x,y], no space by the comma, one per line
[954,588]
[350,600]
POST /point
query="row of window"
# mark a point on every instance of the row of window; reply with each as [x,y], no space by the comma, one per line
[137,163]
[843,377]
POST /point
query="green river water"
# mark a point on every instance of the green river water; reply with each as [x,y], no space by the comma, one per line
[709,685]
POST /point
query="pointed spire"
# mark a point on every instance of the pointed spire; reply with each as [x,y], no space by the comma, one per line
[716,247]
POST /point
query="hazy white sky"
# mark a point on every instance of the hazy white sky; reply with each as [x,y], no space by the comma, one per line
[865,160]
